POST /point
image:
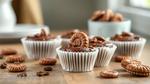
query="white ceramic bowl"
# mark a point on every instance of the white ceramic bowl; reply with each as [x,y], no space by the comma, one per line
[107,29]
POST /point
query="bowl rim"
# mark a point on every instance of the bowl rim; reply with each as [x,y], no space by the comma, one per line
[124,21]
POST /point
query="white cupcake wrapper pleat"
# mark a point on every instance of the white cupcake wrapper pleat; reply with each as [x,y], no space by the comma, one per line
[104,55]
[40,49]
[130,48]
[77,61]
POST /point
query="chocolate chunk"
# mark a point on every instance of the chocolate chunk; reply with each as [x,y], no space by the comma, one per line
[48,68]
[24,74]
[42,73]
[3,65]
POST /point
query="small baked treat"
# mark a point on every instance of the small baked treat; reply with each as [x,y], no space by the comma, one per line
[106,50]
[3,65]
[128,44]
[17,67]
[107,16]
[125,62]
[42,73]
[70,57]
[15,58]
[79,39]
[109,74]
[119,58]
[48,68]
[48,61]
[7,51]
[138,69]
[116,18]
[40,45]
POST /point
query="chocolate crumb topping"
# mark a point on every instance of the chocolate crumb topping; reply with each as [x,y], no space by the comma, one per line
[98,41]
[125,36]
[43,36]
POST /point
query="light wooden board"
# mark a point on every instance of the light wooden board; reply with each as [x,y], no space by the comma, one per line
[58,76]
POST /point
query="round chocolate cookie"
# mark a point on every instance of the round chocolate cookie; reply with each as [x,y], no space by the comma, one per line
[48,61]
[125,62]
[79,39]
[138,69]
[16,67]
[15,58]
[109,74]
[7,51]
[119,58]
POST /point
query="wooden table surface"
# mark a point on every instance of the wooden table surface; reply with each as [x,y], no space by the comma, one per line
[58,76]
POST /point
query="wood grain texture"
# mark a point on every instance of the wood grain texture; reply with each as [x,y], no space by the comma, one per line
[58,76]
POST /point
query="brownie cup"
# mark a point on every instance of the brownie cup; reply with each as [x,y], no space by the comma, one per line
[77,56]
[128,44]
[66,37]
[105,50]
[40,45]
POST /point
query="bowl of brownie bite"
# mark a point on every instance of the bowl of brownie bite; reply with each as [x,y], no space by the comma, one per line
[107,23]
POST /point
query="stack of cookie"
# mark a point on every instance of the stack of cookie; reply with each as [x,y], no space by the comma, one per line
[12,60]
[135,67]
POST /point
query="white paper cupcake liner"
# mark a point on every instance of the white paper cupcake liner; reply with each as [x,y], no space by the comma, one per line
[77,61]
[104,55]
[130,48]
[40,49]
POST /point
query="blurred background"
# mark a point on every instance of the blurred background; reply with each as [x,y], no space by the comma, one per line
[61,15]
[66,14]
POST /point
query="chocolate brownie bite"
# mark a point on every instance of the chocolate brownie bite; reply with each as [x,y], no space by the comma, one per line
[78,52]
[106,50]
[40,45]
[128,44]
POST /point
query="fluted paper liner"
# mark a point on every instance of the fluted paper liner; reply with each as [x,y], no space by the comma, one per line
[40,49]
[104,55]
[130,48]
[77,61]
